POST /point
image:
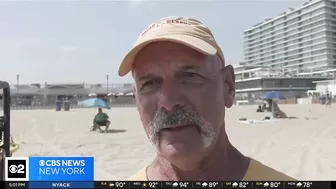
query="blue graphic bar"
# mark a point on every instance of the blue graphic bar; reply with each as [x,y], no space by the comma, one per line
[61,169]
[70,185]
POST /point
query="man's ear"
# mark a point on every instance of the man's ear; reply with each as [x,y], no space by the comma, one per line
[229,85]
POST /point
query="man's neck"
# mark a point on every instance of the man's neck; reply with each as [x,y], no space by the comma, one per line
[224,162]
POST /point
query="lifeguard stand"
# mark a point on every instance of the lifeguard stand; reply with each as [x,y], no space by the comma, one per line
[4,127]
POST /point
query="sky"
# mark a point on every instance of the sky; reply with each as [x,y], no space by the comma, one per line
[83,41]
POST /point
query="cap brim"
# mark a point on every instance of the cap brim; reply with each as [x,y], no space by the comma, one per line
[190,41]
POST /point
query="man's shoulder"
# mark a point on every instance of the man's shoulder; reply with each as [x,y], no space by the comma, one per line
[140,176]
[259,171]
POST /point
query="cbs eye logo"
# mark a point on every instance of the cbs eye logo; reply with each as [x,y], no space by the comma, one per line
[16,169]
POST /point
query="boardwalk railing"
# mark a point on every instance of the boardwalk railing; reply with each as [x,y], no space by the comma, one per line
[46,107]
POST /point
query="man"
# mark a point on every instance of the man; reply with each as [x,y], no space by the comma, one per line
[328,100]
[101,119]
[260,109]
[276,112]
[182,87]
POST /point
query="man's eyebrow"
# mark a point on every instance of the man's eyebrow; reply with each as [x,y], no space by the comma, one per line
[146,77]
[190,67]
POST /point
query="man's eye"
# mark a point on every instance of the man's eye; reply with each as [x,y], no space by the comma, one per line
[149,83]
[191,74]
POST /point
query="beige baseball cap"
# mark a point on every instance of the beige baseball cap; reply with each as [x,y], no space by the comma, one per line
[186,31]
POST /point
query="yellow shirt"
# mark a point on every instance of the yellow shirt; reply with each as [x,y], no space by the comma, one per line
[255,172]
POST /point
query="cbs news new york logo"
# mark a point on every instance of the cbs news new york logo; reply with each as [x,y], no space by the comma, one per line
[16,169]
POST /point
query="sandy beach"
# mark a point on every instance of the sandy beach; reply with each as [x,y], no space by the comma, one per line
[304,148]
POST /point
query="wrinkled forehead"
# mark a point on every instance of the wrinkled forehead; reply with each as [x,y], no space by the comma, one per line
[163,57]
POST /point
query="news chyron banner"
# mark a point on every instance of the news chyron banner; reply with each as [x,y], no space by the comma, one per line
[49,169]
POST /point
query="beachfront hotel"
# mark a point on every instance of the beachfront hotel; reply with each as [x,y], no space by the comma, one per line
[253,81]
[301,40]
[290,53]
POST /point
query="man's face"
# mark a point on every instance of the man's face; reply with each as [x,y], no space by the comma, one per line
[181,97]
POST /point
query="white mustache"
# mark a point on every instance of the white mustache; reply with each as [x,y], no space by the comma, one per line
[178,116]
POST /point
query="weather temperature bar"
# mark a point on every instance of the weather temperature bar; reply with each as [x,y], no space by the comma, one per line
[179,184]
[215,184]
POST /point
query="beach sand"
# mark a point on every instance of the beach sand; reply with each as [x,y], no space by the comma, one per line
[302,148]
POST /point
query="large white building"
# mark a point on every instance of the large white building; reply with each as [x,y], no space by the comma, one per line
[301,40]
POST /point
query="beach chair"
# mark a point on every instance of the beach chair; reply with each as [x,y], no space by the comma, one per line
[95,127]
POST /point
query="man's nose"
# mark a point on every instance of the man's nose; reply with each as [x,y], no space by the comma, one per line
[170,96]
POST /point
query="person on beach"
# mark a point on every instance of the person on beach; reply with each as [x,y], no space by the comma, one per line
[260,109]
[101,119]
[276,112]
[264,107]
[328,100]
[182,87]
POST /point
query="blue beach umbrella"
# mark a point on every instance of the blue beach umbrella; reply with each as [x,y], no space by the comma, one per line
[95,102]
[273,95]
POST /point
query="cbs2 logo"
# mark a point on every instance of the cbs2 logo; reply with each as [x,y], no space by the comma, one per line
[17,168]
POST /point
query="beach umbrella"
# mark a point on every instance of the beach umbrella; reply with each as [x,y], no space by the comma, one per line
[273,95]
[95,102]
